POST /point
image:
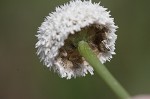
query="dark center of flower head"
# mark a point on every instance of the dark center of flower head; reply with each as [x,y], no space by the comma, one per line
[93,34]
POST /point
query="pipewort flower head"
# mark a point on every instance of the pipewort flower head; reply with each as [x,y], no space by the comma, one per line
[59,33]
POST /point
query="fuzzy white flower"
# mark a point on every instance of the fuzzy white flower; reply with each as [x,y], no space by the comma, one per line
[55,48]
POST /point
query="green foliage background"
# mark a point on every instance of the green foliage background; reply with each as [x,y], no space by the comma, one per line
[22,76]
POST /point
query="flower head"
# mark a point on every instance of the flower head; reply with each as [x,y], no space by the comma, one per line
[71,22]
[141,97]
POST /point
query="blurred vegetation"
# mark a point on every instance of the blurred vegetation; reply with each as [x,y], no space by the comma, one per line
[22,76]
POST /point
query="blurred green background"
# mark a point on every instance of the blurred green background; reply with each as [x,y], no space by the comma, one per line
[22,76]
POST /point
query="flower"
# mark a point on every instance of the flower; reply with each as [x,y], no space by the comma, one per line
[59,31]
[141,97]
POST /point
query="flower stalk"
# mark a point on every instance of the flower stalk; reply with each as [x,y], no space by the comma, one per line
[85,50]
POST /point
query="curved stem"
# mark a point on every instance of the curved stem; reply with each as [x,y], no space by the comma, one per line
[91,58]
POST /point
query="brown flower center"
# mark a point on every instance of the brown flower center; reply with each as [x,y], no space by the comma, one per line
[93,34]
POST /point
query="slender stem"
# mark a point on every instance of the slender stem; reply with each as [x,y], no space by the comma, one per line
[91,58]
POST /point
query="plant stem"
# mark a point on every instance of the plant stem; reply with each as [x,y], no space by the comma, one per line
[91,58]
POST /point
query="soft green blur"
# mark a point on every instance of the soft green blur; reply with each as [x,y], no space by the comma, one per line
[22,76]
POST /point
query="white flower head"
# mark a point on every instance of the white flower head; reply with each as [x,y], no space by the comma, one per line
[59,30]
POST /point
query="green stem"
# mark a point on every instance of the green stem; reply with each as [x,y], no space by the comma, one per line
[91,58]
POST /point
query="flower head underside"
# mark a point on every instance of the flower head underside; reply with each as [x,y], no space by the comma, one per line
[63,29]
